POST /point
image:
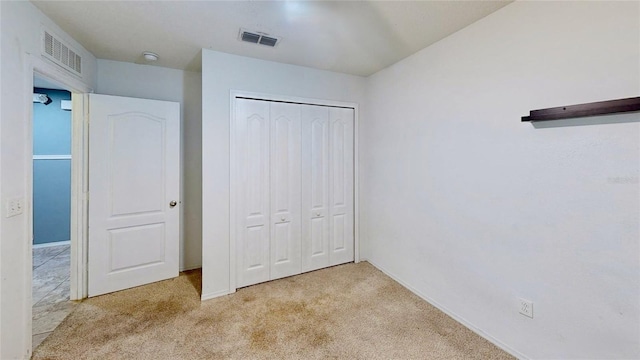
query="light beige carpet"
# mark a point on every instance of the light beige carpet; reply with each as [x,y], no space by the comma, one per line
[350,311]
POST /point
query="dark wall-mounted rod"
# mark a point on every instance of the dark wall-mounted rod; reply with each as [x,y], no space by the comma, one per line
[583,110]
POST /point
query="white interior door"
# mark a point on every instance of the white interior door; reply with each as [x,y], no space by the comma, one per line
[252,174]
[315,187]
[134,152]
[341,186]
[285,190]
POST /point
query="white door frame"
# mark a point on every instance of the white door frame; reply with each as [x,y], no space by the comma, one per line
[36,66]
[232,168]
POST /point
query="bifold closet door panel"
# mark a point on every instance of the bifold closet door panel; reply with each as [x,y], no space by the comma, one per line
[315,187]
[285,190]
[341,194]
[252,129]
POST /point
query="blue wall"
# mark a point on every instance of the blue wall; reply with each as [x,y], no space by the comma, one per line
[51,178]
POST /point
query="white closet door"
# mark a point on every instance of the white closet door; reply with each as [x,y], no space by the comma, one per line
[285,190]
[315,187]
[252,174]
[341,212]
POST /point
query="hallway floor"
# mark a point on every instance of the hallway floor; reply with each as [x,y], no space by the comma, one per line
[51,267]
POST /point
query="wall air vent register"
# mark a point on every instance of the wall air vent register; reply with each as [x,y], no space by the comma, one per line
[56,50]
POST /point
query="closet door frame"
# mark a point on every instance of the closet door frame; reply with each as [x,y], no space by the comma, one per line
[234,94]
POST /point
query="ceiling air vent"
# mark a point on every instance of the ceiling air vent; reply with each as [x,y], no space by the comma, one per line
[60,53]
[255,37]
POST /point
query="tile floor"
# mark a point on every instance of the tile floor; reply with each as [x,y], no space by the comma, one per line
[51,266]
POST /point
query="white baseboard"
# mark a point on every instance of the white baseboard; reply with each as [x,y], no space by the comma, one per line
[190,267]
[452,314]
[46,245]
[214,295]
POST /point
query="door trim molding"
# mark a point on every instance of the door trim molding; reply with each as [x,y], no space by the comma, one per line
[234,94]
[35,65]
[79,196]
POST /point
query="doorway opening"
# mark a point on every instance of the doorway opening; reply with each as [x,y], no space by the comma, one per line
[51,210]
[43,76]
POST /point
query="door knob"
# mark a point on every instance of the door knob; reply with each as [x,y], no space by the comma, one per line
[282,218]
[317,214]
[173,203]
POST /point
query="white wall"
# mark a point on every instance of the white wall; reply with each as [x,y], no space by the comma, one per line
[20,30]
[224,72]
[472,208]
[153,82]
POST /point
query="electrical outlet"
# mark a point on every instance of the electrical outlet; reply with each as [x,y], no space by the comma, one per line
[525,307]
[15,207]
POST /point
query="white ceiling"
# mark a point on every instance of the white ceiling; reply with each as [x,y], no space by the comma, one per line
[354,37]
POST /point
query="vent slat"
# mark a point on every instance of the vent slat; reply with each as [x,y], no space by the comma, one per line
[72,59]
[48,44]
[56,49]
[64,54]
